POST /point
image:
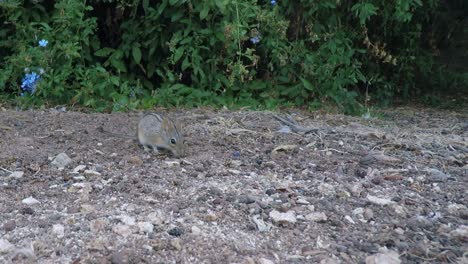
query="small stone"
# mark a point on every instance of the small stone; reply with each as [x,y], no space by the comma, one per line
[270,192]
[128,220]
[399,231]
[172,163]
[98,225]
[302,202]
[349,219]
[461,233]
[176,231]
[27,210]
[145,227]
[317,217]
[123,230]
[5,246]
[30,201]
[196,231]
[79,168]
[265,261]
[211,217]
[61,161]
[368,214]
[9,226]
[384,256]
[283,218]
[379,200]
[92,172]
[16,174]
[176,244]
[58,230]
[156,218]
[246,199]
[326,189]
[121,257]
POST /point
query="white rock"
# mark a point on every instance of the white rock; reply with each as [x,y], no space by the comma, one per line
[145,227]
[317,216]
[172,163]
[5,246]
[58,230]
[16,174]
[358,211]
[79,168]
[92,172]
[126,219]
[30,201]
[379,200]
[123,230]
[349,219]
[265,261]
[302,201]
[61,161]
[196,231]
[385,256]
[278,217]
[261,225]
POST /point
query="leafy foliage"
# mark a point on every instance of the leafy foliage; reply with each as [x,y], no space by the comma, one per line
[116,55]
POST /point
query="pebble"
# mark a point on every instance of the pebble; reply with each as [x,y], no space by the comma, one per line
[326,189]
[317,217]
[196,231]
[384,256]
[61,161]
[9,226]
[98,225]
[349,219]
[156,218]
[145,227]
[302,202]
[16,174]
[379,200]
[121,257]
[247,199]
[6,246]
[123,230]
[265,261]
[176,244]
[283,218]
[30,201]
[270,192]
[58,230]
[461,233]
[368,214]
[79,168]
[92,172]
[128,220]
[176,231]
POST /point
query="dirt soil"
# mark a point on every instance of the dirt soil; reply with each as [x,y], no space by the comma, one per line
[391,189]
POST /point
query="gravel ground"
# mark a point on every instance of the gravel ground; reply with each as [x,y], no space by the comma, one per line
[333,189]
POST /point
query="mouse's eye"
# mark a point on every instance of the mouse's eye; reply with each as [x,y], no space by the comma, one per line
[173,141]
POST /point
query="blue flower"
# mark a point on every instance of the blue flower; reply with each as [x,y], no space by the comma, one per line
[273,2]
[236,154]
[43,43]
[255,39]
[29,82]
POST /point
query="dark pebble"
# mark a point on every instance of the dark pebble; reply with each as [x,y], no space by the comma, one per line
[27,210]
[176,231]
[270,191]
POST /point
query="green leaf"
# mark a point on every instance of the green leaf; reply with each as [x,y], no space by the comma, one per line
[104,52]
[136,53]
[178,54]
[115,80]
[185,63]
[119,65]
[307,85]
[204,12]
